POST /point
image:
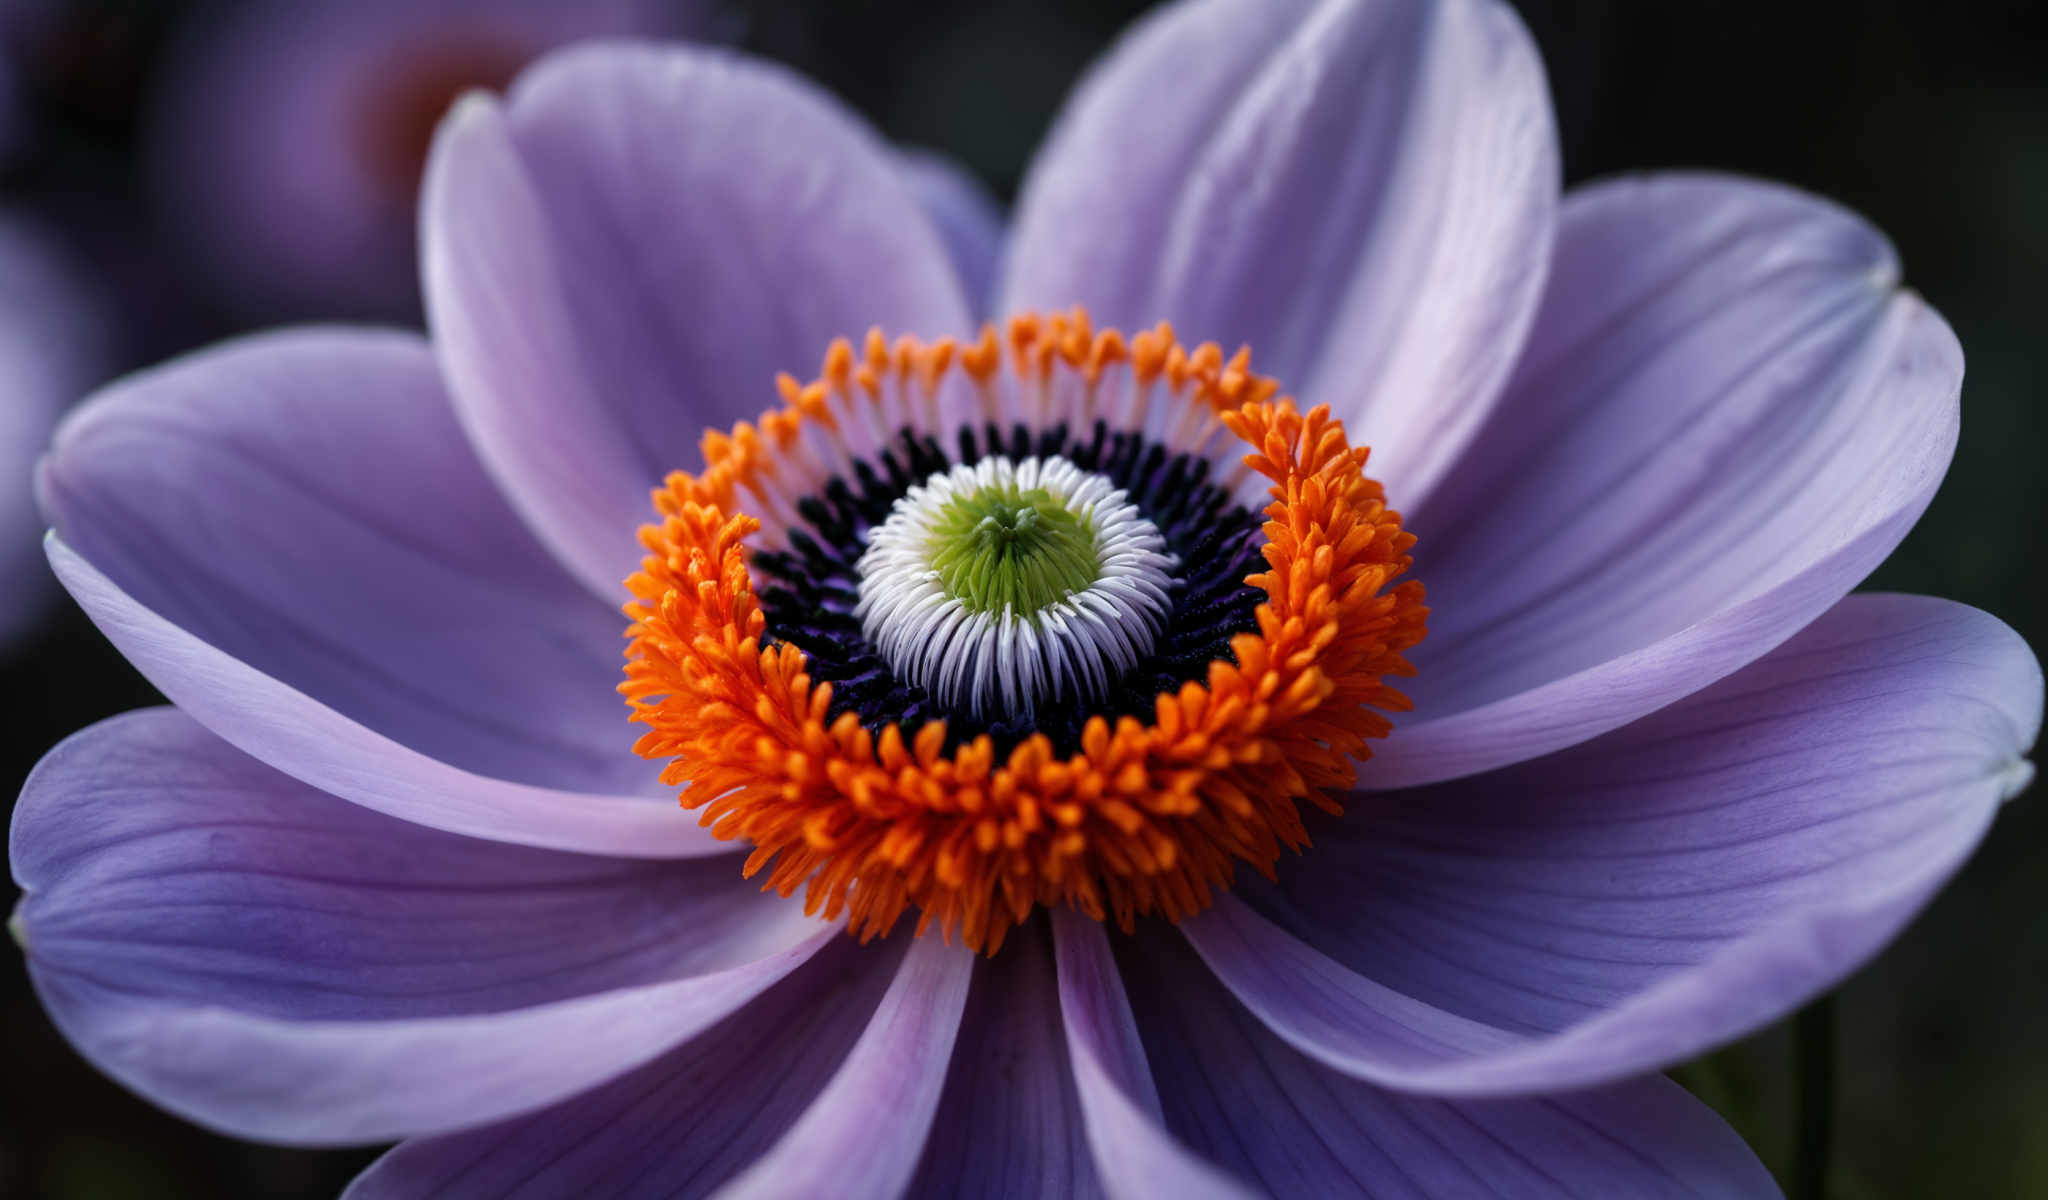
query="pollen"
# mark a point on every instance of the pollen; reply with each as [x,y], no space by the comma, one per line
[781,641]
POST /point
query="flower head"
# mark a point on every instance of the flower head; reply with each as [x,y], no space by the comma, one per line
[287,143]
[1071,666]
[1053,638]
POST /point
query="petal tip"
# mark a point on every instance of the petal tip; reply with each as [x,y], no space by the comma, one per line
[474,110]
[2016,777]
[470,105]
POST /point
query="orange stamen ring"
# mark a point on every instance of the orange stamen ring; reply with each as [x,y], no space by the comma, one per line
[1145,818]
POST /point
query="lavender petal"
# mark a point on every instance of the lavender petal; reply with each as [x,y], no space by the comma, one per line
[282,965]
[1726,415]
[1363,192]
[1638,899]
[631,248]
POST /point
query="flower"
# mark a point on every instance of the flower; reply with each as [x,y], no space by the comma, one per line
[54,344]
[392,869]
[286,145]
[286,142]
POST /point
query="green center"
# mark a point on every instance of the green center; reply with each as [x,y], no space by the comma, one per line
[1006,545]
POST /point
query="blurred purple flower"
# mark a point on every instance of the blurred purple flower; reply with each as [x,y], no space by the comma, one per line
[390,870]
[53,348]
[288,139]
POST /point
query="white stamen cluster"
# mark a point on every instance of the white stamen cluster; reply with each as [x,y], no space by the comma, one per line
[1004,661]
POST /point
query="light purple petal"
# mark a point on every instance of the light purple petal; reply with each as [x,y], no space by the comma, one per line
[969,221]
[631,249]
[279,964]
[1360,190]
[283,144]
[1727,414]
[305,739]
[289,536]
[1009,1123]
[1633,901]
[306,503]
[682,1125]
[1297,1128]
[1134,1154]
[53,347]
[690,1121]
[863,1135]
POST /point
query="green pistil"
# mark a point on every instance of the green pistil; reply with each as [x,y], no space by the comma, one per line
[1011,546]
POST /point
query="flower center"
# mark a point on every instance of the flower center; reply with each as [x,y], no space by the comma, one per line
[999,547]
[1012,584]
[1053,618]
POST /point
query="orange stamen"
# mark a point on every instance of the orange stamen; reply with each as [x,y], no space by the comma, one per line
[1144,818]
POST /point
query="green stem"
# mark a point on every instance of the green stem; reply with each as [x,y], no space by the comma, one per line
[1813,1049]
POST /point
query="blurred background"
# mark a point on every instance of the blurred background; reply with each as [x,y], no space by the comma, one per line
[160,162]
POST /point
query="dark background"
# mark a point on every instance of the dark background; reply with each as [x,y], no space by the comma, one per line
[1932,120]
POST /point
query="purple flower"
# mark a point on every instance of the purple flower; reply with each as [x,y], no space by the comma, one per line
[53,346]
[287,142]
[392,869]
